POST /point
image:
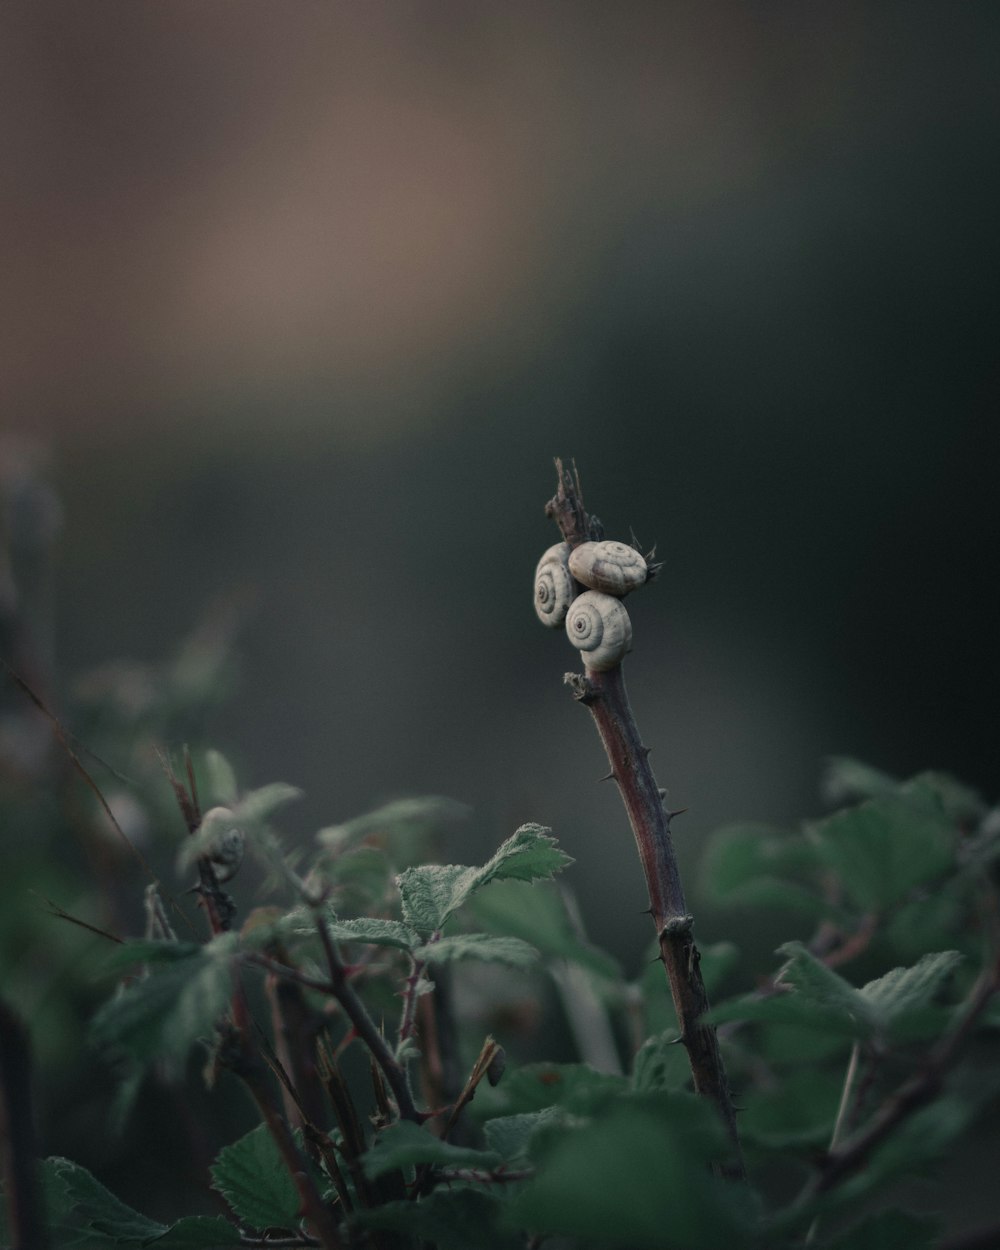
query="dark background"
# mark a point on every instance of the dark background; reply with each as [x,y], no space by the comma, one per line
[304,298]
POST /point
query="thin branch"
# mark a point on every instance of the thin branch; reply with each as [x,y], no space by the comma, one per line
[604,695]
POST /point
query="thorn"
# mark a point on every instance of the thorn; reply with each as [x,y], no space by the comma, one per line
[677,1041]
[662,793]
[646,752]
[608,776]
[677,811]
[645,911]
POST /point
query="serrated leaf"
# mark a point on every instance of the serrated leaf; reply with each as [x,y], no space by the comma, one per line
[483,946]
[198,1232]
[884,848]
[454,1219]
[537,914]
[83,1215]
[431,892]
[789,1009]
[372,932]
[510,1135]
[407,817]
[406,1144]
[251,1176]
[825,988]
[639,1177]
[161,1015]
[905,990]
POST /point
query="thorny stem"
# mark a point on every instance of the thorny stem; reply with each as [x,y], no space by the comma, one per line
[364,1025]
[605,696]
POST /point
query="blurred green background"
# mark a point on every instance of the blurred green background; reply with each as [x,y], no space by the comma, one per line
[300,301]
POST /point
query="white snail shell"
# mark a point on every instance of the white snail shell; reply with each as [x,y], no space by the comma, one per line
[554,589]
[610,567]
[226,842]
[599,627]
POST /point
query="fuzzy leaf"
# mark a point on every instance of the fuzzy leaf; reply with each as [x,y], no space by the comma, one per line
[454,1219]
[82,1215]
[431,893]
[846,781]
[884,848]
[161,1015]
[904,990]
[510,1135]
[252,1177]
[791,1009]
[825,988]
[372,932]
[406,1144]
[576,1087]
[483,946]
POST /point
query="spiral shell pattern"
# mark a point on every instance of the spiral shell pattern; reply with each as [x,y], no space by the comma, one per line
[610,567]
[226,842]
[599,627]
[554,588]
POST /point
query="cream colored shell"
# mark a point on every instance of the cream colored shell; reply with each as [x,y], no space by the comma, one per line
[599,627]
[554,588]
[225,842]
[610,567]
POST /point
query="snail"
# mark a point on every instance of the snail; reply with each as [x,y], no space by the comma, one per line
[611,567]
[554,588]
[599,626]
[224,842]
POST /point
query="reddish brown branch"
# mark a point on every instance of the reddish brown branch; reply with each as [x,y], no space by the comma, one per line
[605,696]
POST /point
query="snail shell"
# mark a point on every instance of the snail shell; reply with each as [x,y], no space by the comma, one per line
[554,588]
[225,842]
[599,627]
[613,568]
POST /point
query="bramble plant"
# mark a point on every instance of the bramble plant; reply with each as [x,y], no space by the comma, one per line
[793,1114]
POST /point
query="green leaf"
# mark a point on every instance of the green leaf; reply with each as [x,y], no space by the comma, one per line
[83,1215]
[483,946]
[252,1177]
[846,781]
[371,932]
[790,1009]
[886,847]
[661,1063]
[161,1015]
[406,1144]
[454,1219]
[198,1232]
[639,1177]
[536,913]
[753,865]
[796,1112]
[905,990]
[407,818]
[825,988]
[511,1135]
[960,803]
[431,893]
[576,1087]
[148,951]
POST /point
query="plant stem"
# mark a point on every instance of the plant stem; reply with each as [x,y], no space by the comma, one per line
[605,696]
